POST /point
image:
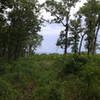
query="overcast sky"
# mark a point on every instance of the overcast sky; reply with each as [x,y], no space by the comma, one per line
[51,32]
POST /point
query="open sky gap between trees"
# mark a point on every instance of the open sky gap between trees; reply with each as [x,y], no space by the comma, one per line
[19,26]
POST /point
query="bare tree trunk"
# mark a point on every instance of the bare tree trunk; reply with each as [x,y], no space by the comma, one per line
[66,35]
[80,46]
[16,51]
[95,41]
[96,35]
[88,47]
[30,50]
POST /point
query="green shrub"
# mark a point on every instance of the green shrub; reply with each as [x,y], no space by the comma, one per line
[6,91]
[70,65]
[51,77]
[91,76]
[48,92]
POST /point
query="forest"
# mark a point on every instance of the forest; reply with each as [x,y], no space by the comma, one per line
[27,75]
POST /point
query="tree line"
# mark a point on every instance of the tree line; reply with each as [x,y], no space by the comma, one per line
[20,22]
[84,27]
[19,27]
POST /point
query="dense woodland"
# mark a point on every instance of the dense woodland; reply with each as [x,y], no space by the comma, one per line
[25,75]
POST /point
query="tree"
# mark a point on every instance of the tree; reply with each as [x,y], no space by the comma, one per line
[4,4]
[3,37]
[91,11]
[23,24]
[75,30]
[61,13]
[33,43]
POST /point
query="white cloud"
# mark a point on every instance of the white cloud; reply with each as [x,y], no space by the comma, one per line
[78,5]
[41,1]
[47,15]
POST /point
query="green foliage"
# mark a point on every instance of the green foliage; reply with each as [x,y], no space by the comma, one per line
[76,29]
[48,92]
[91,11]
[7,92]
[51,77]
[61,13]
[71,64]
[19,28]
[48,77]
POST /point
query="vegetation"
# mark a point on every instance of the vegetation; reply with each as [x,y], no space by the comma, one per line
[25,75]
[88,14]
[51,77]
[19,29]
[61,12]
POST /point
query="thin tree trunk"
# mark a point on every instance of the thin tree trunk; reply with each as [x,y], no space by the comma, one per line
[30,50]
[95,41]
[80,46]
[96,35]
[66,37]
[66,41]
[75,51]
[88,47]
[16,51]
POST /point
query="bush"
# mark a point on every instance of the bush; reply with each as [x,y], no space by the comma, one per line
[48,92]
[51,77]
[7,92]
[71,64]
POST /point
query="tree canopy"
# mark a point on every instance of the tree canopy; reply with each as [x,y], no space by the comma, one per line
[20,27]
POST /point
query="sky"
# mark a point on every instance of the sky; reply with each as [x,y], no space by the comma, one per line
[51,32]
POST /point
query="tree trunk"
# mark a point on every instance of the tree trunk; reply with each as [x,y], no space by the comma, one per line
[66,35]
[30,50]
[66,40]
[89,50]
[96,35]
[80,46]
[95,41]
[75,48]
